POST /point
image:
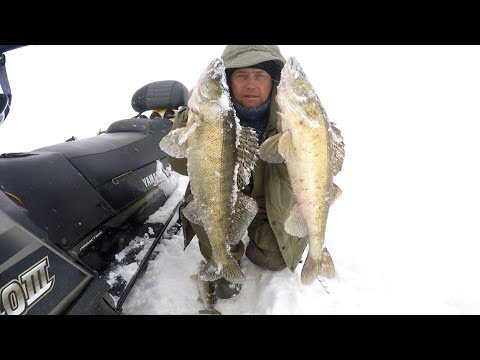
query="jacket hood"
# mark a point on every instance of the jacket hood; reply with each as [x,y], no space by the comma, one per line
[240,56]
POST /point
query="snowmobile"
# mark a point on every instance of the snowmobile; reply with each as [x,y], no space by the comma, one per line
[67,209]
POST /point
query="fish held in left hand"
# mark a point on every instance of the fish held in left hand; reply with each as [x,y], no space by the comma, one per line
[313,150]
[220,157]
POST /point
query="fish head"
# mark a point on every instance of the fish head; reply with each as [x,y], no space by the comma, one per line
[210,98]
[296,93]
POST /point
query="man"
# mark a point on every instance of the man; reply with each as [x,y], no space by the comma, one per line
[253,73]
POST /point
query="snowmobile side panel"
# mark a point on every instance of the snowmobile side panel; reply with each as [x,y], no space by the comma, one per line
[94,301]
[49,178]
[129,187]
[35,277]
[121,222]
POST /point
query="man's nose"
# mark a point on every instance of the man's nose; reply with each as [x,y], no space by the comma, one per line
[251,82]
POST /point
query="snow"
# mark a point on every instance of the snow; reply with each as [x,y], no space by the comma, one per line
[167,287]
[404,235]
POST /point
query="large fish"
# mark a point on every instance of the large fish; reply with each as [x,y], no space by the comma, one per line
[220,156]
[313,150]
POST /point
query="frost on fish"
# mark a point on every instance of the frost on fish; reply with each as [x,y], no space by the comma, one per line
[312,148]
[221,155]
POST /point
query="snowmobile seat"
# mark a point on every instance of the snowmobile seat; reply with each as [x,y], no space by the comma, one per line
[166,94]
[127,145]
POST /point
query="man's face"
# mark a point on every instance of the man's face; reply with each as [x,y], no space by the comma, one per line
[251,87]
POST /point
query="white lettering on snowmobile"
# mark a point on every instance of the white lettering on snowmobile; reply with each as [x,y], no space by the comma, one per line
[97,235]
[18,296]
[149,180]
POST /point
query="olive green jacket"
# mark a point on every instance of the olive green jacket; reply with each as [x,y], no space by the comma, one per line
[271,186]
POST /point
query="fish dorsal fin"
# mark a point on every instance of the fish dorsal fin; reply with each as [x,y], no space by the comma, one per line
[172,144]
[336,193]
[244,211]
[269,150]
[338,149]
[191,212]
[247,151]
[295,224]
[286,148]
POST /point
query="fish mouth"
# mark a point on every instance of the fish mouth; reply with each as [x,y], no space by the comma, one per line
[215,70]
[293,64]
[293,69]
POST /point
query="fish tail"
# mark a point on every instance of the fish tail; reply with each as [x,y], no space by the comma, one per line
[232,272]
[310,270]
[314,267]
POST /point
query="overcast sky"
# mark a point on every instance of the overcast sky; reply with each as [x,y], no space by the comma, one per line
[409,115]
